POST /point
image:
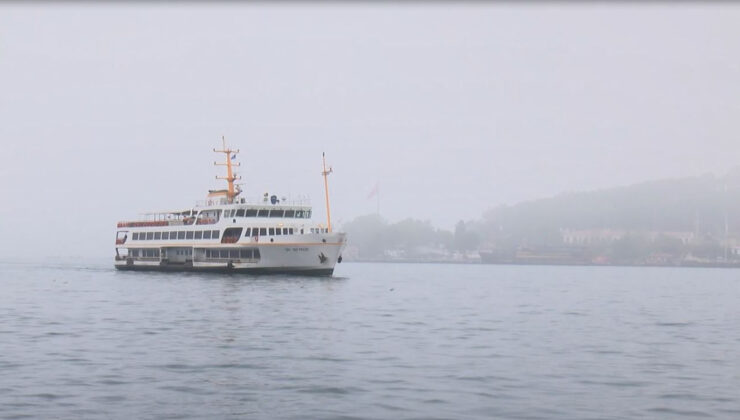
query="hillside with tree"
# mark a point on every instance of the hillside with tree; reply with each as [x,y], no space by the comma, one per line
[673,219]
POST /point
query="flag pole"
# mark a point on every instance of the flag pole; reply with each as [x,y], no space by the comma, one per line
[325,173]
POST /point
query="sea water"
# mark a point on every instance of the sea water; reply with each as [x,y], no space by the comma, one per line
[376,341]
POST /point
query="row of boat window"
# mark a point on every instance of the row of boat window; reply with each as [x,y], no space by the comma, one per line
[248,253]
[268,231]
[144,253]
[213,234]
[232,253]
[300,214]
[182,234]
[278,231]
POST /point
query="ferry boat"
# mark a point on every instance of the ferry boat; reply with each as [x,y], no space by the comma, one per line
[228,233]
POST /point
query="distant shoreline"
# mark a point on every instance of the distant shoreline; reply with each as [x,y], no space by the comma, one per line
[552,264]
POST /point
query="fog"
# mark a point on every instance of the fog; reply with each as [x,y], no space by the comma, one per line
[110,111]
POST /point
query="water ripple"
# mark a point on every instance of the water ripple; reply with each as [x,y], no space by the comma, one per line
[383,342]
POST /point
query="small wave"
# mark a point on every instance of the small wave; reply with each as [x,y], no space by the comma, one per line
[674,411]
[619,384]
[48,396]
[187,389]
[326,390]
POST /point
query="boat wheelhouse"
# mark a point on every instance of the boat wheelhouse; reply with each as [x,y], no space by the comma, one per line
[229,233]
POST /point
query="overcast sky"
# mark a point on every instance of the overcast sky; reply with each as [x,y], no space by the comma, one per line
[109,111]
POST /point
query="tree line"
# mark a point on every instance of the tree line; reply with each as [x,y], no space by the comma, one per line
[705,205]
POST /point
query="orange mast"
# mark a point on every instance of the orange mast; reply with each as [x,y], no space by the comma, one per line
[230,175]
[325,173]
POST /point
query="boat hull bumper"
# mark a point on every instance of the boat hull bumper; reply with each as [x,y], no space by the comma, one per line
[227,270]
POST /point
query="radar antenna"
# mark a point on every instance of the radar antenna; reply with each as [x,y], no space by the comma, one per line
[231,176]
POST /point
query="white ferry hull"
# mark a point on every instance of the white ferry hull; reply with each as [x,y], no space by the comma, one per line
[285,256]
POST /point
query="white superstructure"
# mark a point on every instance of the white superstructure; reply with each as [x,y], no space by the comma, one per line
[227,233]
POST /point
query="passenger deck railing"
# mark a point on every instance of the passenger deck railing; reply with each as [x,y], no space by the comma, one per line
[144,223]
[205,221]
[256,201]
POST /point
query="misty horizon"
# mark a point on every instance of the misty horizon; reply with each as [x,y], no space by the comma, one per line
[111,111]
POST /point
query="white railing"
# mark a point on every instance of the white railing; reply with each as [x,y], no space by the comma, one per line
[302,201]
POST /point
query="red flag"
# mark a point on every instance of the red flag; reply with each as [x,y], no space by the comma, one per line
[373,192]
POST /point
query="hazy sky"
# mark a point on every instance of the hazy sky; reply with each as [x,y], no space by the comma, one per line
[109,111]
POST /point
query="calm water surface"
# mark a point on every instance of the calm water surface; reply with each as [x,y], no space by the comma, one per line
[379,341]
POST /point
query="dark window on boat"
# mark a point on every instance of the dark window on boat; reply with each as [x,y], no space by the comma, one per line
[285,231]
[214,234]
[240,213]
[157,235]
[277,213]
[307,214]
[271,231]
[251,212]
[290,231]
[206,234]
[289,213]
[135,236]
[181,234]
[278,231]
[263,213]
[263,231]
[248,232]
[223,253]
[256,253]
[234,253]
[199,234]
[245,253]
[165,235]
[189,234]
[151,253]
[149,236]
